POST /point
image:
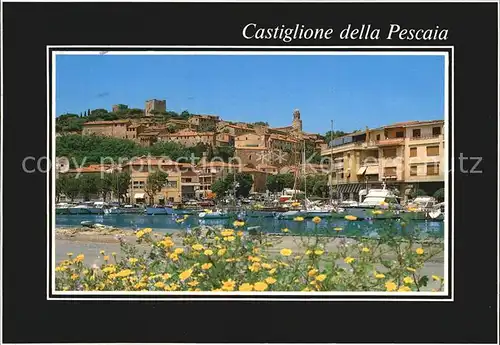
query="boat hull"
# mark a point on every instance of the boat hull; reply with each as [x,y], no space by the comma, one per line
[78,210]
[64,210]
[371,213]
[159,211]
[261,214]
[214,215]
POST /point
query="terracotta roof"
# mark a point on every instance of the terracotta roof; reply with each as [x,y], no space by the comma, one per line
[105,122]
[246,169]
[266,166]
[92,168]
[183,122]
[217,164]
[148,134]
[152,161]
[135,125]
[250,148]
[187,134]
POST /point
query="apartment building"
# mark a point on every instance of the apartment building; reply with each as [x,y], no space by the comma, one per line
[189,138]
[407,155]
[140,169]
[210,172]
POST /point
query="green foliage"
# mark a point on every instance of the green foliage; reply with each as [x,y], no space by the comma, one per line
[223,152]
[244,183]
[89,184]
[68,185]
[260,123]
[276,183]
[120,183]
[417,192]
[317,185]
[155,183]
[90,149]
[329,135]
[439,194]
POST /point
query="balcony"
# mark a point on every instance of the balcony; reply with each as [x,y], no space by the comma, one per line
[390,142]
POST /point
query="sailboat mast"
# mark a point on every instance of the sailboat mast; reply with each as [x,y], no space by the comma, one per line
[331,163]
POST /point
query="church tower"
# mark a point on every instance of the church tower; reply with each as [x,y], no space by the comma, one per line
[297,122]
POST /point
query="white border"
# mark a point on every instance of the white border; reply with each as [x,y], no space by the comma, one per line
[227,295]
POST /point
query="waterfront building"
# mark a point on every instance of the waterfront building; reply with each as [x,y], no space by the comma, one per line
[406,156]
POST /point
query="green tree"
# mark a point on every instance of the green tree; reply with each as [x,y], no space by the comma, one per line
[88,185]
[223,152]
[105,186]
[120,182]
[244,182]
[439,194]
[276,183]
[261,123]
[69,185]
[417,192]
[155,183]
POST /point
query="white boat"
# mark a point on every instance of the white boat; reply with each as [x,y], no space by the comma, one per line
[213,215]
[98,207]
[378,204]
[438,212]
[62,208]
[79,209]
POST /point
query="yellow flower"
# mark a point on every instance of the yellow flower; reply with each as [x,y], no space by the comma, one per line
[160,285]
[208,252]
[272,271]
[133,260]
[260,286]
[101,252]
[256,250]
[229,238]
[139,286]
[179,251]
[80,258]
[377,212]
[228,285]
[193,283]
[167,242]
[255,267]
[173,257]
[408,280]
[109,269]
[106,258]
[227,232]
[298,257]
[69,254]
[349,217]
[221,252]
[124,273]
[181,220]
[206,266]
[410,269]
[166,276]
[114,254]
[316,220]
[379,275]
[419,251]
[404,289]
[286,252]
[197,247]
[238,223]
[390,286]
[436,278]
[348,260]
[147,230]
[266,266]
[240,233]
[337,229]
[365,250]
[246,287]
[230,260]
[254,258]
[74,276]
[139,234]
[321,277]
[318,252]
[312,272]
[185,275]
[308,252]
[298,219]
[270,280]
[285,230]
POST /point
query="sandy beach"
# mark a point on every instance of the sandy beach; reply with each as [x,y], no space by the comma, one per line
[90,242]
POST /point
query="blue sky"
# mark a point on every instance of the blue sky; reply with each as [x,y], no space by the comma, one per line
[353,91]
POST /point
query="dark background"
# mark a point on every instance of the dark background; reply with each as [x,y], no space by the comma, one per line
[28,317]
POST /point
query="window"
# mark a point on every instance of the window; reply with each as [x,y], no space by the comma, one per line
[413,170]
[400,134]
[390,171]
[432,150]
[171,184]
[433,169]
[378,137]
[187,180]
[390,152]
[416,133]
[436,131]
[413,152]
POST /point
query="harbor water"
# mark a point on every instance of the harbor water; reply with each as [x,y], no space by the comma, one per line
[166,223]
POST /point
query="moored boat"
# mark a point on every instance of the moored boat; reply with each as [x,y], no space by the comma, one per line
[79,209]
[62,208]
[378,204]
[213,215]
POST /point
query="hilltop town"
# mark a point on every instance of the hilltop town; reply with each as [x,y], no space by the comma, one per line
[407,155]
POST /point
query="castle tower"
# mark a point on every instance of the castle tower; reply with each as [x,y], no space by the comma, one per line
[297,122]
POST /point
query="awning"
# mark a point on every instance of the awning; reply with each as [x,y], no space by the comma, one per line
[139,196]
[373,170]
[361,171]
[349,188]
